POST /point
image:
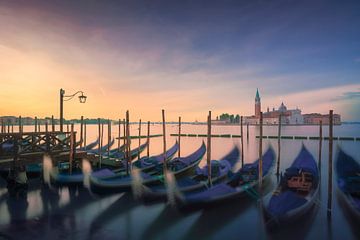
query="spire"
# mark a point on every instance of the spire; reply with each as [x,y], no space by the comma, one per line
[257,94]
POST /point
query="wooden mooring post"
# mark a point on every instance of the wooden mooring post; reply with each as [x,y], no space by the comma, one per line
[109,138]
[20,125]
[72,148]
[242,141]
[52,123]
[36,124]
[164,140]
[208,152]
[247,132]
[138,153]
[260,152]
[81,131]
[320,147]
[329,206]
[148,139]
[47,137]
[119,135]
[179,138]
[99,143]
[279,147]
[85,133]
[128,143]
[124,130]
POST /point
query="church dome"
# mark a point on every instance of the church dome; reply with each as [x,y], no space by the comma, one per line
[282,107]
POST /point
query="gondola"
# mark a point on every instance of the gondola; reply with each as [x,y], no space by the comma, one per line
[296,192]
[122,182]
[238,185]
[117,159]
[147,164]
[103,149]
[348,180]
[196,182]
[76,178]
[90,145]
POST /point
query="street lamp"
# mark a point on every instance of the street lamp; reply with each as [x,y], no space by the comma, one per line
[63,97]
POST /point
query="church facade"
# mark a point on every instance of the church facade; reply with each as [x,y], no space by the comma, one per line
[288,116]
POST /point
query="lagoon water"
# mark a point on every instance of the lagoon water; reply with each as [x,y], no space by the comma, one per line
[49,213]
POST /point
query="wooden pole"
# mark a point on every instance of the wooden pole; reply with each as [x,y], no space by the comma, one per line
[36,124]
[320,146]
[8,128]
[99,144]
[102,138]
[242,140]
[85,133]
[260,152]
[279,146]
[2,125]
[247,132]
[67,127]
[47,139]
[119,135]
[124,128]
[139,139]
[81,131]
[208,152]
[12,128]
[330,164]
[109,137]
[179,137]
[20,125]
[128,157]
[148,139]
[52,123]
[72,146]
[164,141]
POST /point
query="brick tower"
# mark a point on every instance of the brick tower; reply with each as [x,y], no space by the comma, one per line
[257,104]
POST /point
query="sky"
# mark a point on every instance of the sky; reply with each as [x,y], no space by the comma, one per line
[187,57]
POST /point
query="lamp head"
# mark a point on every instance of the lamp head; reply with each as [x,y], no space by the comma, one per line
[82,98]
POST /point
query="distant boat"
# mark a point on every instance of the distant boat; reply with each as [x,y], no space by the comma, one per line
[197,181]
[297,190]
[348,179]
[121,182]
[239,184]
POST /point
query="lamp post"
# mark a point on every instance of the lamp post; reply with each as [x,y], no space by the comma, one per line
[63,97]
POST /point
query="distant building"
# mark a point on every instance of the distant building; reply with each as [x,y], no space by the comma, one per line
[288,116]
[315,118]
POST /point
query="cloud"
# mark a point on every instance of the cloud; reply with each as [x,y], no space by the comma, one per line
[348,96]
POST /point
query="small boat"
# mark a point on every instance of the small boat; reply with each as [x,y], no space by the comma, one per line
[120,182]
[150,163]
[197,181]
[296,192]
[348,179]
[238,185]
[117,159]
[90,145]
[103,149]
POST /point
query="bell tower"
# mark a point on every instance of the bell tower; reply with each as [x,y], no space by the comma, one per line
[257,104]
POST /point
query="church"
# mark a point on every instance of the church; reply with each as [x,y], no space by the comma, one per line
[288,116]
